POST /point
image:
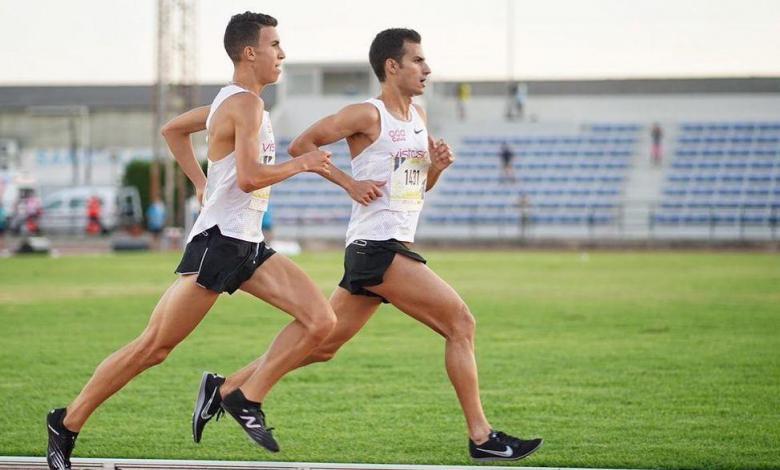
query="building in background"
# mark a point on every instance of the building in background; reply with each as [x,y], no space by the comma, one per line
[581,151]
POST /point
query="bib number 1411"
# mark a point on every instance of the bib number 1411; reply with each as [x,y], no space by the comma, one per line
[412,176]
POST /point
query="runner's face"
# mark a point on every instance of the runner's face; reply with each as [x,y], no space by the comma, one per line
[414,71]
[268,56]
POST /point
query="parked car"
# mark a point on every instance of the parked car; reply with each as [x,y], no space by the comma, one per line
[68,210]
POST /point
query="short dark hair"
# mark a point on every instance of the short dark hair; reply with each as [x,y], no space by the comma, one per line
[389,44]
[244,30]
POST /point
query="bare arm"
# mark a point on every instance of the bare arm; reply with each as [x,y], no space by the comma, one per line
[440,152]
[436,169]
[176,133]
[246,111]
[353,119]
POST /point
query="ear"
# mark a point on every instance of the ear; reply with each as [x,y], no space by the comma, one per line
[391,66]
[249,53]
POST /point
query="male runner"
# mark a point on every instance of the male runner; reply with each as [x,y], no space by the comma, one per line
[225,250]
[394,162]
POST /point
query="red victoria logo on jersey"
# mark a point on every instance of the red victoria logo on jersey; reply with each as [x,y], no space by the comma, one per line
[269,147]
[398,135]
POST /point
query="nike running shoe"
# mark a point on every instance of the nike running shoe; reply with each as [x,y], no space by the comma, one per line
[251,418]
[500,446]
[61,440]
[207,405]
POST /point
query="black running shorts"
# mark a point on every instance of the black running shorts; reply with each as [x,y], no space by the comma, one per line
[365,263]
[222,263]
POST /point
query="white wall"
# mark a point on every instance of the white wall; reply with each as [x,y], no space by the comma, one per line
[632,108]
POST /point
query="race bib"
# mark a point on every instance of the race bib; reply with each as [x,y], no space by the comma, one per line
[408,179]
[260,197]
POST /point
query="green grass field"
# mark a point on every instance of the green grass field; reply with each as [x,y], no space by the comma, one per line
[648,360]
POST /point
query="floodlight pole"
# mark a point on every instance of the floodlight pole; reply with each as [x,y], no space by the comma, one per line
[175,91]
[86,143]
[159,103]
[73,150]
[510,42]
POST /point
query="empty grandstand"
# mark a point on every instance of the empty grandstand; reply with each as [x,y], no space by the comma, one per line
[723,174]
[581,166]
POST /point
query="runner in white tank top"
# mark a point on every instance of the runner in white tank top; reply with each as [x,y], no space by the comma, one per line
[392,167]
[238,214]
[399,156]
[225,252]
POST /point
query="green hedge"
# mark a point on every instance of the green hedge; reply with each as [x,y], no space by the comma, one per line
[137,173]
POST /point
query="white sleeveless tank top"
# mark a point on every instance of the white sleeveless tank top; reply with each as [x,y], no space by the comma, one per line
[238,214]
[400,158]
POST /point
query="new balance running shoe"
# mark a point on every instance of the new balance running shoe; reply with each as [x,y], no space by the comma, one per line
[61,440]
[208,404]
[500,446]
[251,418]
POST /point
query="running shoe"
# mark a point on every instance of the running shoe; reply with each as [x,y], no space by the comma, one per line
[61,440]
[500,446]
[207,405]
[251,418]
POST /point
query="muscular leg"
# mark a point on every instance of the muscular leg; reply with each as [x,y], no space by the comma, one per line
[284,285]
[352,312]
[417,291]
[177,313]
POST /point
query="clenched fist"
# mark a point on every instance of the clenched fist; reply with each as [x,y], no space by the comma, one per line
[441,154]
[365,191]
[316,161]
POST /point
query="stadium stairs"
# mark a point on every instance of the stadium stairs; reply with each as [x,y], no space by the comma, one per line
[592,180]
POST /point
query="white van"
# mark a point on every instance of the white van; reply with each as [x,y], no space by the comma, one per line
[65,211]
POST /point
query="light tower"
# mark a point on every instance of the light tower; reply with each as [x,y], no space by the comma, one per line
[175,91]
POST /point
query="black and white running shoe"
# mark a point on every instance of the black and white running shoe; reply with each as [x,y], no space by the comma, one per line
[207,405]
[61,440]
[251,418]
[500,446]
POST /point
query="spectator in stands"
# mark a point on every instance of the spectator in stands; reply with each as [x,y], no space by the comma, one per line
[656,151]
[524,216]
[518,93]
[464,94]
[155,217]
[507,169]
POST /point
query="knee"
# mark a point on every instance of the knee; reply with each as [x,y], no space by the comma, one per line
[463,324]
[322,355]
[157,355]
[319,326]
[148,353]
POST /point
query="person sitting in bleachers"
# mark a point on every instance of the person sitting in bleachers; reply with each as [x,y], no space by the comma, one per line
[656,152]
[507,169]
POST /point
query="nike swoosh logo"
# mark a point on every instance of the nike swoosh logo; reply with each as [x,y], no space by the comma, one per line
[203,412]
[505,453]
[417,132]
